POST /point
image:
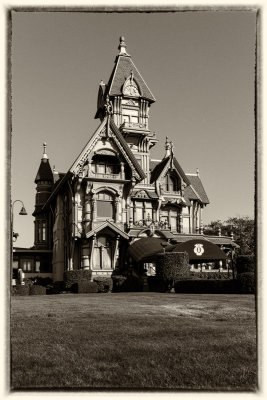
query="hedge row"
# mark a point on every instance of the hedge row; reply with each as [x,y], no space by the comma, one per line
[25,290]
[104,284]
[210,275]
[74,276]
[206,286]
[245,283]
[123,283]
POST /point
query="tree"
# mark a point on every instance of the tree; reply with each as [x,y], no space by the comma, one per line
[243,229]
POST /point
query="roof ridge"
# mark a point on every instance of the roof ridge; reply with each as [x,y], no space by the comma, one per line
[194,190]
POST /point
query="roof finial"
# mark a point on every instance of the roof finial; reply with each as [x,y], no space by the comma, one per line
[197,171]
[122,46]
[168,147]
[44,154]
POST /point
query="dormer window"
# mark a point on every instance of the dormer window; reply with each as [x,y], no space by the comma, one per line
[171,183]
[105,164]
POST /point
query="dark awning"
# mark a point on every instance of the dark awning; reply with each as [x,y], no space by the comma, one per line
[146,247]
[199,250]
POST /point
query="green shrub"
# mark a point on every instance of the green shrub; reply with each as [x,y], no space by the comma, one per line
[155,284]
[245,263]
[210,275]
[43,281]
[129,283]
[85,287]
[37,290]
[171,267]
[75,276]
[104,284]
[56,287]
[20,290]
[28,281]
[246,282]
[206,286]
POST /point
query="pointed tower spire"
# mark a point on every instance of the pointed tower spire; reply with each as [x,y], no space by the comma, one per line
[122,46]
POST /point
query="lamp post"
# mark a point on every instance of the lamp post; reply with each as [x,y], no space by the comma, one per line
[13,234]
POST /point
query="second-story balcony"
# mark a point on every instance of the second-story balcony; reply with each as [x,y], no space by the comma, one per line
[133,125]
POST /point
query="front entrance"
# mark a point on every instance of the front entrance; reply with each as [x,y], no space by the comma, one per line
[103,253]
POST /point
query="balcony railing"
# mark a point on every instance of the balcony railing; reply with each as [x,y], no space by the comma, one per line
[133,125]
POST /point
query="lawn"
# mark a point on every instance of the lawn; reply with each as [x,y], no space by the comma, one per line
[134,341]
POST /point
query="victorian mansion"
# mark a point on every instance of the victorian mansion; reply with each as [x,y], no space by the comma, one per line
[114,193]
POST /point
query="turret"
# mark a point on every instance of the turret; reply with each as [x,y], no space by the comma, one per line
[44,183]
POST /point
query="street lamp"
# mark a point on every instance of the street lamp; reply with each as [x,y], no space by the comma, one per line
[13,234]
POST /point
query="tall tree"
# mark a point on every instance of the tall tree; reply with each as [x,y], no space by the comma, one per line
[243,229]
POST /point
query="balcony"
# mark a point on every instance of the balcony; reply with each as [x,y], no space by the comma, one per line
[133,125]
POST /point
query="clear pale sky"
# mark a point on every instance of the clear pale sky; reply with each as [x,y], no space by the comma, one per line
[198,65]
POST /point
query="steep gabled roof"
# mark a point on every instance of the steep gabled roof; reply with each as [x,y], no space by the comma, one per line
[156,172]
[123,67]
[198,188]
[158,168]
[111,226]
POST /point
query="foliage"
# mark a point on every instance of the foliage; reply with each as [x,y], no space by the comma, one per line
[206,286]
[171,267]
[56,287]
[123,283]
[75,276]
[37,290]
[242,228]
[246,282]
[104,284]
[245,263]
[209,275]
[20,290]
[28,281]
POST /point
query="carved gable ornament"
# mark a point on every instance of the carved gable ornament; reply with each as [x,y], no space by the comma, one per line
[141,194]
[130,87]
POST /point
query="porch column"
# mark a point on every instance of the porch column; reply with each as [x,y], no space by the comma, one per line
[115,255]
[85,256]
[92,252]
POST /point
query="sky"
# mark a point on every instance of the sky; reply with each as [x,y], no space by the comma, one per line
[199,66]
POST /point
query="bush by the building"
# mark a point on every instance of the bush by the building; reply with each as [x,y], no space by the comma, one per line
[210,275]
[37,290]
[104,284]
[245,263]
[20,290]
[171,267]
[74,276]
[129,283]
[56,287]
[206,286]
[246,282]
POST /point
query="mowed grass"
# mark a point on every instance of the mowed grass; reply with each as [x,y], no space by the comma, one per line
[134,341]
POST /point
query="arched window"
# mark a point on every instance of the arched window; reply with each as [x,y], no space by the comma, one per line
[105,205]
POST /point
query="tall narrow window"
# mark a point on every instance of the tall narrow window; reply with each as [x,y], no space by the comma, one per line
[105,205]
[41,233]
